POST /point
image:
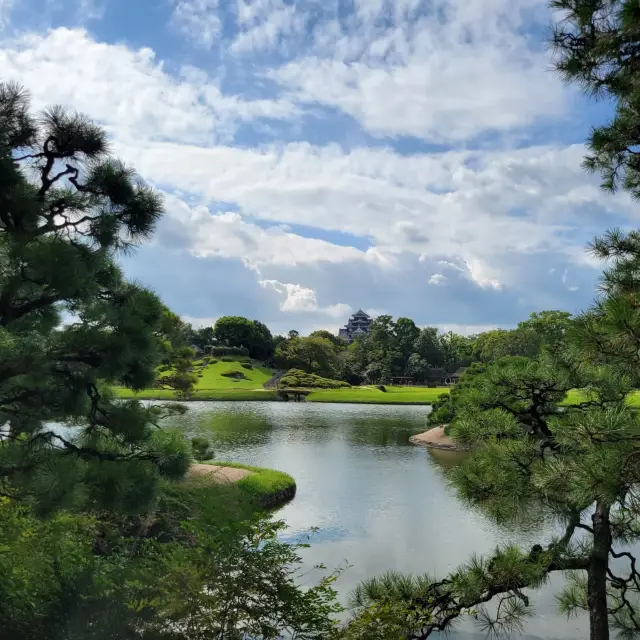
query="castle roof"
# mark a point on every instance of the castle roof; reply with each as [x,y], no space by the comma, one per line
[360,314]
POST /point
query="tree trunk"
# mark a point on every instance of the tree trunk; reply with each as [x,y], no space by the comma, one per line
[597,575]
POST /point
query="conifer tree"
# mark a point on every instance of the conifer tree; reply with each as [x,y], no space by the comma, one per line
[70,323]
[576,465]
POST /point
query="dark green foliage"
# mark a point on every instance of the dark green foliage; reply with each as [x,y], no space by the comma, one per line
[233,373]
[229,351]
[596,48]
[227,359]
[252,335]
[297,378]
[443,411]
[337,342]
[66,208]
[201,448]
[246,365]
[382,388]
[312,355]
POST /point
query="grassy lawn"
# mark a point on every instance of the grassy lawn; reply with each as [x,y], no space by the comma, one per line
[576,396]
[202,394]
[372,395]
[264,487]
[212,378]
[214,386]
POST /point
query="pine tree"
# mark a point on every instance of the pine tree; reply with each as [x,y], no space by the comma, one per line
[70,323]
[573,464]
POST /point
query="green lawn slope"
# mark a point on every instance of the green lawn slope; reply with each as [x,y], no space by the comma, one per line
[212,385]
[373,395]
[212,377]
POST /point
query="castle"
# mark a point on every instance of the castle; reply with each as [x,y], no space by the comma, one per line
[357,326]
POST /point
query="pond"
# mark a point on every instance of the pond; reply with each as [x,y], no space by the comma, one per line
[378,502]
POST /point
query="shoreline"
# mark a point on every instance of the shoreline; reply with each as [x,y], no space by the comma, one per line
[319,396]
[435,438]
[266,488]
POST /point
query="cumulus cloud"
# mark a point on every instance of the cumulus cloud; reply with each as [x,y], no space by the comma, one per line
[5,10]
[128,89]
[303,300]
[445,71]
[198,20]
[375,226]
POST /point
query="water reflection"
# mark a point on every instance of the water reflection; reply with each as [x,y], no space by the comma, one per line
[378,502]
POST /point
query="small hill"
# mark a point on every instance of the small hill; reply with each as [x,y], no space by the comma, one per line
[212,375]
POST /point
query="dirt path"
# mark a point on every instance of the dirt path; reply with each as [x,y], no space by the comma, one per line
[436,439]
[218,474]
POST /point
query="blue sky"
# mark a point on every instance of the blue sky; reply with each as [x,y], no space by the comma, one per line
[408,157]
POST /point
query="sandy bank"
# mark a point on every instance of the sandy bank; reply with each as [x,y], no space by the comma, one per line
[218,474]
[436,439]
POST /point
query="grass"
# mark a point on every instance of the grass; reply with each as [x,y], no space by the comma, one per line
[372,395]
[215,386]
[245,395]
[576,396]
[266,488]
[212,377]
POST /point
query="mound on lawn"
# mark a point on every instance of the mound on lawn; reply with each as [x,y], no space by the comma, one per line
[296,378]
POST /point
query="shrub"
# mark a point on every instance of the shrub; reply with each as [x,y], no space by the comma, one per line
[381,387]
[234,373]
[229,351]
[212,361]
[201,448]
[246,365]
[299,378]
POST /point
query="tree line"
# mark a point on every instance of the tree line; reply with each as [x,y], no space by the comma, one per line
[391,348]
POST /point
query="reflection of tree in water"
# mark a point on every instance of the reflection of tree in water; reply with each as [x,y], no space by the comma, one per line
[530,521]
[226,428]
[380,431]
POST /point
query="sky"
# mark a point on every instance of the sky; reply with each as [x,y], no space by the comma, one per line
[409,157]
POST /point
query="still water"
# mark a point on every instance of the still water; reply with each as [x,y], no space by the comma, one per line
[378,502]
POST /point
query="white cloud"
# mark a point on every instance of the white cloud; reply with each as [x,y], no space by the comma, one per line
[128,90]
[444,74]
[198,20]
[227,235]
[489,217]
[198,323]
[264,24]
[302,299]
[468,227]
[437,278]
[5,9]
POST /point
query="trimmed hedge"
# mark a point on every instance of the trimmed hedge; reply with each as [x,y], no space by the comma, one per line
[296,378]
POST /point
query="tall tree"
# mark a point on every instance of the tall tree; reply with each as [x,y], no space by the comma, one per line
[406,333]
[237,331]
[66,209]
[312,355]
[429,347]
[576,464]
